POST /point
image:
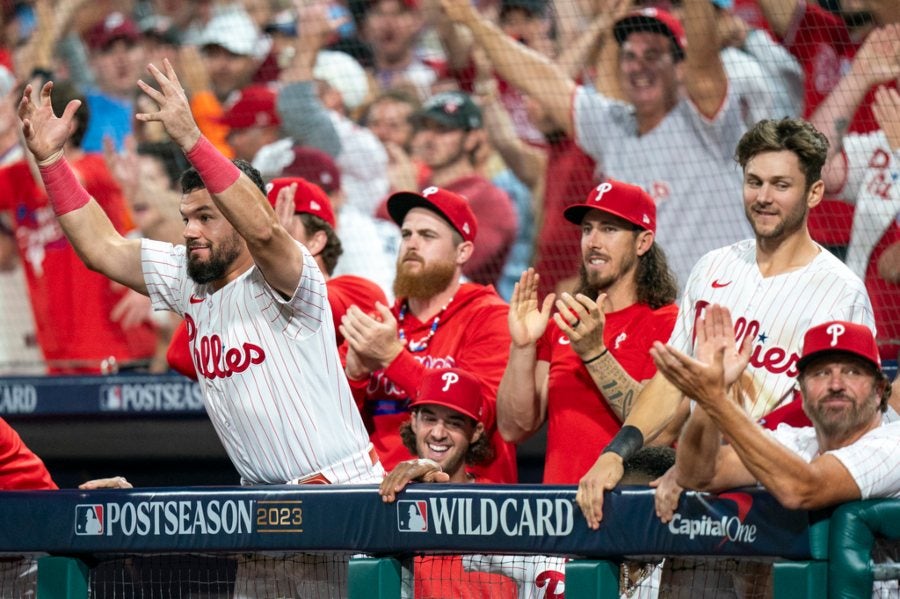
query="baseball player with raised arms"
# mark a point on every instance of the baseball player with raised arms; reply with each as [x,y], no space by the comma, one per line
[253,297]
[777,286]
[306,212]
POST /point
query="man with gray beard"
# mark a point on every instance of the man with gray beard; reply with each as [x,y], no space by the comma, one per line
[582,372]
[436,322]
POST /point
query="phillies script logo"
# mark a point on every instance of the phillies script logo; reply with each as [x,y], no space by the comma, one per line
[214,361]
[552,582]
[775,359]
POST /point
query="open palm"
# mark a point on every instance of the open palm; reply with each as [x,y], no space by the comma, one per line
[527,321]
[45,133]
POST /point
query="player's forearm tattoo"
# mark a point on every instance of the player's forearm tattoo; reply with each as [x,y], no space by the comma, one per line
[616,385]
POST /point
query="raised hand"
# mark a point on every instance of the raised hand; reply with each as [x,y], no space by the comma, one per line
[284,205]
[458,11]
[374,341]
[45,134]
[583,321]
[886,109]
[715,331]
[174,109]
[526,322]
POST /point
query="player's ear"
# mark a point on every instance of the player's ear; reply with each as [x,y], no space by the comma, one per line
[477,433]
[464,252]
[317,242]
[644,242]
[815,194]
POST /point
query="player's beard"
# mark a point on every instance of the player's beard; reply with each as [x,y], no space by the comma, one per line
[430,280]
[592,284]
[221,257]
[791,223]
[837,424]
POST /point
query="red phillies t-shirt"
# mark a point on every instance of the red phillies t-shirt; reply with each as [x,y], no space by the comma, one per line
[20,469]
[71,304]
[579,421]
[472,334]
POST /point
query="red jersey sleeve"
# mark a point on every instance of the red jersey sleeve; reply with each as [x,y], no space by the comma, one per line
[179,353]
[20,468]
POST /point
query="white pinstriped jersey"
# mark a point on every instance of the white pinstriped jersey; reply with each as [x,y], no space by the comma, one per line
[269,369]
[871,460]
[776,311]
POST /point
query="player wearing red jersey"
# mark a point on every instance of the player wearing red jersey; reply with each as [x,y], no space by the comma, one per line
[445,431]
[582,372]
[437,321]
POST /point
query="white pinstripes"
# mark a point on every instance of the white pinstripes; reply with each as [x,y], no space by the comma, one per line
[779,310]
[872,460]
[290,415]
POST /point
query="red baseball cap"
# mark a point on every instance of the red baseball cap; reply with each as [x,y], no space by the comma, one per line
[254,106]
[619,199]
[453,207]
[453,388]
[114,26]
[839,336]
[652,19]
[315,166]
[309,199]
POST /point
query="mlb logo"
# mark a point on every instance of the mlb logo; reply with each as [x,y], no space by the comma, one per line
[89,520]
[412,516]
[110,398]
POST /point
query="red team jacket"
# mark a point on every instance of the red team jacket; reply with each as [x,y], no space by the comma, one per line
[472,334]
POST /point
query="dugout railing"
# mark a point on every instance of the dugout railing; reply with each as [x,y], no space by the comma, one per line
[75,529]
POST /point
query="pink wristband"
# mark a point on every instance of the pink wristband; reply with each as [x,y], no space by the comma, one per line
[217,172]
[63,188]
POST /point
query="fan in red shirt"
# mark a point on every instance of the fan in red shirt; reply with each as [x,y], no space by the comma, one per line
[581,372]
[72,305]
[447,434]
[305,211]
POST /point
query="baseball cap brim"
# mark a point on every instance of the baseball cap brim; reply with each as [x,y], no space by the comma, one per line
[640,22]
[806,360]
[437,116]
[444,404]
[400,203]
[575,214]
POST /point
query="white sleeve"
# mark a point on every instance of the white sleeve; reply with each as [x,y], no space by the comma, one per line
[682,337]
[165,273]
[593,120]
[310,300]
[872,462]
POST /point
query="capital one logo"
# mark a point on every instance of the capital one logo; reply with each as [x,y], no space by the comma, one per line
[89,520]
[449,379]
[835,330]
[412,516]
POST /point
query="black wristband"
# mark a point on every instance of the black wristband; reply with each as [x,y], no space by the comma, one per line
[626,443]
[597,357]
